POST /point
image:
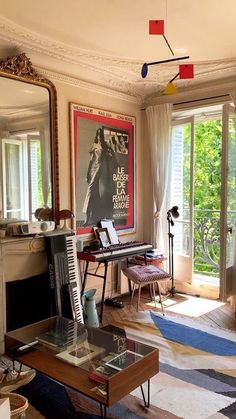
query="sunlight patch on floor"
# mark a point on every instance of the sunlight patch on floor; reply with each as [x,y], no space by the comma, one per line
[188,305]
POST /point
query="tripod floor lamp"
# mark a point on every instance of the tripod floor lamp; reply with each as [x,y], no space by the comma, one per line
[171,213]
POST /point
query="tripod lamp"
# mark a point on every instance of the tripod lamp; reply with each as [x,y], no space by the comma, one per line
[171,213]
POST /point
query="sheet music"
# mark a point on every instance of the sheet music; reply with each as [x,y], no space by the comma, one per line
[109,224]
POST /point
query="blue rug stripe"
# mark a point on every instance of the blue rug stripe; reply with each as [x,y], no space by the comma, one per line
[224,378]
[196,378]
[196,338]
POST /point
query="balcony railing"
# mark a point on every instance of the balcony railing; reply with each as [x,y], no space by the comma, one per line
[206,258]
[207,241]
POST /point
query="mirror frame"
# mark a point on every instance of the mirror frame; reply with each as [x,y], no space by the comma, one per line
[19,67]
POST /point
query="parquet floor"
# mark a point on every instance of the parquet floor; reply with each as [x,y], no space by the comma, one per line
[209,312]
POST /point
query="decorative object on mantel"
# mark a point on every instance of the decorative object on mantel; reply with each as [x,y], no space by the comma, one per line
[64,215]
[186,71]
[46,214]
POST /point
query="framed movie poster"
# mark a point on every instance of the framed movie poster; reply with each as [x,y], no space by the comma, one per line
[103,168]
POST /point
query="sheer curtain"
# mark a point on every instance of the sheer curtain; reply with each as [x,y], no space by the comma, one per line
[46,164]
[159,135]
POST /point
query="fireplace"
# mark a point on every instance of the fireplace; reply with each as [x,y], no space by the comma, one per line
[24,283]
[27,301]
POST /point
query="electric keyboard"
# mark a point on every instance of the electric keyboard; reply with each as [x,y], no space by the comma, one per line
[115,251]
[64,275]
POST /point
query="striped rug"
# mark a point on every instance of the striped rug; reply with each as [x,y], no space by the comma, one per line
[195,381]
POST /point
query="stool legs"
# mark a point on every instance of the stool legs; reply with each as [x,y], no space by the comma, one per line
[159,292]
[132,296]
[139,294]
[154,295]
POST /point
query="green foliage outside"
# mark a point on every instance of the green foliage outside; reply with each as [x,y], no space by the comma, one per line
[207,189]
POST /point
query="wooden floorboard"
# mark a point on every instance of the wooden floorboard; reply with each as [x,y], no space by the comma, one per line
[222,316]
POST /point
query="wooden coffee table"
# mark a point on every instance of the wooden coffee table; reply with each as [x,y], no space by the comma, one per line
[101,365]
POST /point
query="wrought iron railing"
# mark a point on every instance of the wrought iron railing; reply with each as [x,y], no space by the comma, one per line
[207,241]
[206,257]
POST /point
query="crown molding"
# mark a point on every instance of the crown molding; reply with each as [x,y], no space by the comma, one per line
[106,74]
[73,81]
[11,31]
[108,69]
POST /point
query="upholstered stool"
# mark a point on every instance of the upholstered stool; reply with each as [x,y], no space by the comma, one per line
[146,275]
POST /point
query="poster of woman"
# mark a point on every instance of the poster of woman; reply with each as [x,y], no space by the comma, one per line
[103,168]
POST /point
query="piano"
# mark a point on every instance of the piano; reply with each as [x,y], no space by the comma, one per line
[115,251]
[109,254]
[64,275]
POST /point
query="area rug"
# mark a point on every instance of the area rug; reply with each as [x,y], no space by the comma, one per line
[197,377]
[55,401]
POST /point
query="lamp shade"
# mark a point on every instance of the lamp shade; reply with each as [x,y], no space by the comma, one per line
[174,212]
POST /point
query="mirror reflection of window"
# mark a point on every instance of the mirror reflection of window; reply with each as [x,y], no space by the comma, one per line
[12,153]
[25,149]
[26,176]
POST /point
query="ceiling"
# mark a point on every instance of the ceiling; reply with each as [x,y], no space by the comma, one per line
[107,41]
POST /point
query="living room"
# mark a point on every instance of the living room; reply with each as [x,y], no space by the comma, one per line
[90,60]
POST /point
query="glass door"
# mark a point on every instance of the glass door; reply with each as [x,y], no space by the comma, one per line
[228,204]
[181,195]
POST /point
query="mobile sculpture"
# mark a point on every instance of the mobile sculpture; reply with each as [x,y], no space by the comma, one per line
[186,71]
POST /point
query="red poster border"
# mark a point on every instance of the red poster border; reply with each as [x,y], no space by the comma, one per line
[114,120]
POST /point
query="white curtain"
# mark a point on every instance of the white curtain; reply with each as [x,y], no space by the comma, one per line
[159,135]
[46,163]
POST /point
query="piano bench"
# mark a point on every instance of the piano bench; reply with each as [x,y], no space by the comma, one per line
[141,275]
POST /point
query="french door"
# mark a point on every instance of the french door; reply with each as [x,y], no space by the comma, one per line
[181,194]
[203,186]
[228,199]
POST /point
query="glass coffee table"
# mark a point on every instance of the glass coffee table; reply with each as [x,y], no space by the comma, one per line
[101,365]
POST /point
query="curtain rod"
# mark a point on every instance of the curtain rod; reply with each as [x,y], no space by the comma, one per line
[197,100]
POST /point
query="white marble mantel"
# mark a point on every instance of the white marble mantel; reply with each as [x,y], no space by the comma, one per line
[20,258]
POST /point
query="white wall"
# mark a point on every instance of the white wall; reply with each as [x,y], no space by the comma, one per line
[71,93]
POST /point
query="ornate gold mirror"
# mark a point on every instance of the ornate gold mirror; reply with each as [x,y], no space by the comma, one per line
[28,141]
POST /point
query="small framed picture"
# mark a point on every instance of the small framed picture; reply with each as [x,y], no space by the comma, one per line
[79,354]
[124,360]
[103,237]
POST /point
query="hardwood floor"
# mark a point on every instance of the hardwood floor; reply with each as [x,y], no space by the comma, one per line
[209,312]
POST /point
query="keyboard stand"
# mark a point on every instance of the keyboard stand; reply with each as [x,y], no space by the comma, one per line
[105,260]
[104,277]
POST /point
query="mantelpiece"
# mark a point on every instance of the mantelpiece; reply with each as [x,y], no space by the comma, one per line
[20,258]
